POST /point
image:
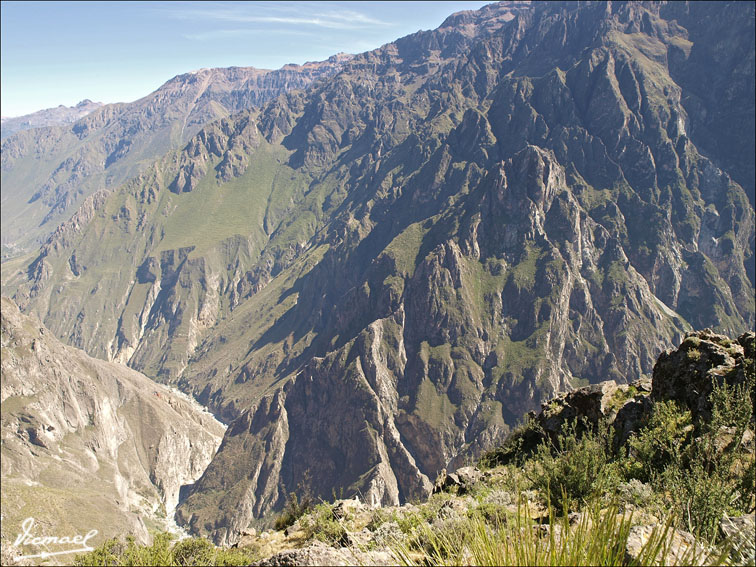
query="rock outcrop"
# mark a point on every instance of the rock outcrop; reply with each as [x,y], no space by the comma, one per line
[704,361]
[504,511]
[319,553]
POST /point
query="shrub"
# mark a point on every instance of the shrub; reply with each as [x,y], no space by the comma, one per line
[660,443]
[518,447]
[443,539]
[191,551]
[410,521]
[321,524]
[699,498]
[293,510]
[747,487]
[709,480]
[109,553]
[694,354]
[699,470]
[295,506]
[493,514]
[378,517]
[199,551]
[690,342]
[113,552]
[635,492]
[574,466]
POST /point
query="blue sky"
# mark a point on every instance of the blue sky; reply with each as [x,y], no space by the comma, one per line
[62,52]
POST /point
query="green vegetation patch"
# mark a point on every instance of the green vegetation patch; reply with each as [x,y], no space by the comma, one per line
[405,247]
[523,274]
[434,406]
[251,204]
[164,551]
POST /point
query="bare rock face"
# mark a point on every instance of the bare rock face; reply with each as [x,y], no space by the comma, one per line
[332,424]
[681,547]
[121,445]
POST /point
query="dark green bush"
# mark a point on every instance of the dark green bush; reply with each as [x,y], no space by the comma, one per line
[660,443]
[194,551]
[293,510]
[495,515]
[574,466]
[709,480]
[518,447]
[114,552]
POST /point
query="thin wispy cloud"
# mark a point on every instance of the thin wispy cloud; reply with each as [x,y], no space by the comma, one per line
[212,35]
[267,14]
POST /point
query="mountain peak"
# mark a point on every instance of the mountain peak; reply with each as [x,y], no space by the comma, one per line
[55,116]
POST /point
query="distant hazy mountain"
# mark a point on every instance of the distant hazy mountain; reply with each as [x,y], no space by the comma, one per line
[48,117]
[375,278]
[48,172]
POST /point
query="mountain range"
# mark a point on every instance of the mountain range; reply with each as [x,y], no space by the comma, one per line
[48,117]
[47,172]
[375,278]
